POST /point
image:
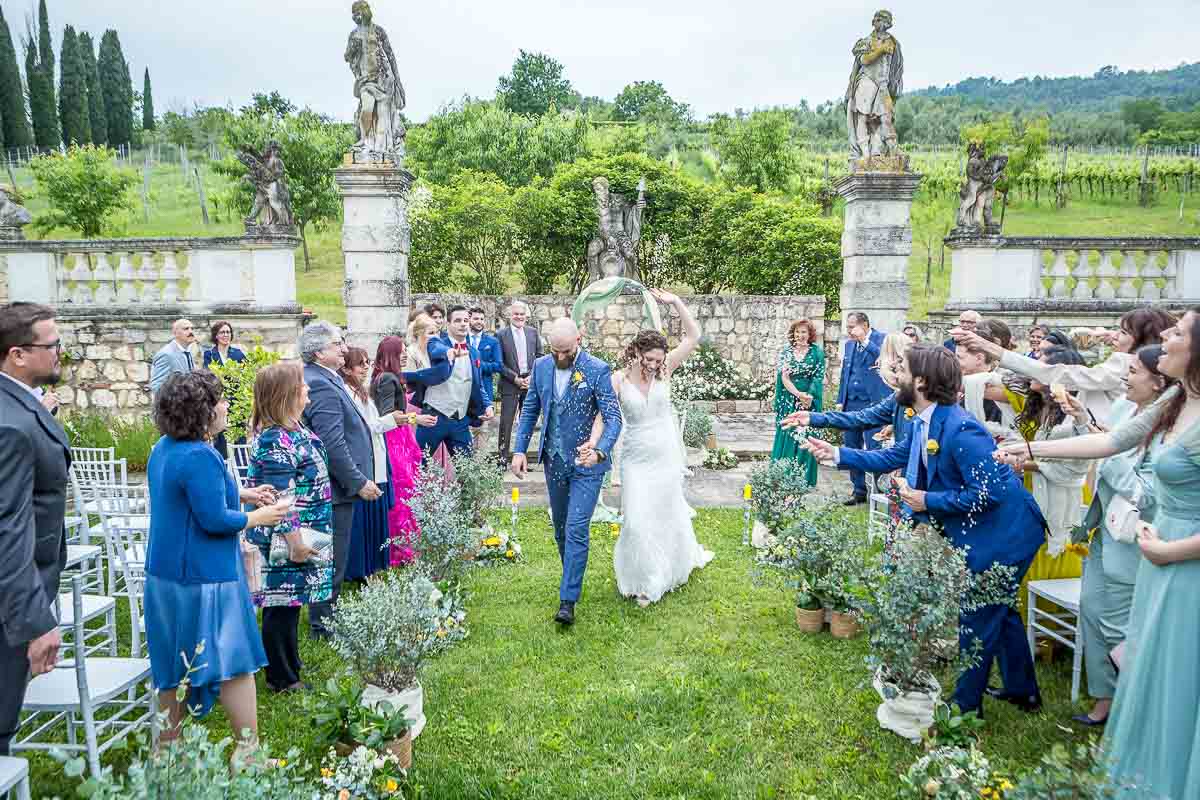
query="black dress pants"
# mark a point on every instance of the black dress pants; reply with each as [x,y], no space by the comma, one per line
[14,676]
[280,635]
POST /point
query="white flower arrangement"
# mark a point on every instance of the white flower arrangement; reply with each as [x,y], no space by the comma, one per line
[498,547]
[363,775]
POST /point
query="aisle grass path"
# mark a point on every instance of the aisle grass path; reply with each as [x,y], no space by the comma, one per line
[712,693]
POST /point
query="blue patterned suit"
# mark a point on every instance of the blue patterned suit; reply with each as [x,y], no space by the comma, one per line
[567,423]
[980,505]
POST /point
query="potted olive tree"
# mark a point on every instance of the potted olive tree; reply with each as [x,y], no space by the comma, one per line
[777,494]
[344,722]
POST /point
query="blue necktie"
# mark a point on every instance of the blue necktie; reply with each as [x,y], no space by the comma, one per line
[914,453]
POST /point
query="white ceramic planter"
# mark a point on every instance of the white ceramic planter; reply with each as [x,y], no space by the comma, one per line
[759,534]
[908,714]
[413,698]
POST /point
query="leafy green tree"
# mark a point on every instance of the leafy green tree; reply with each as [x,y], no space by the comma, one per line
[761,152]
[51,136]
[648,101]
[1025,144]
[84,188]
[117,88]
[95,95]
[273,104]
[535,85]
[179,129]
[484,137]
[73,109]
[147,103]
[1144,114]
[15,119]
[465,225]
[311,147]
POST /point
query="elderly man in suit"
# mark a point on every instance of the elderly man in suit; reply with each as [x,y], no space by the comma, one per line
[968,321]
[520,347]
[861,387]
[980,505]
[336,419]
[174,356]
[33,484]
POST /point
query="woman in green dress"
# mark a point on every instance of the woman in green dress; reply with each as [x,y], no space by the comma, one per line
[799,386]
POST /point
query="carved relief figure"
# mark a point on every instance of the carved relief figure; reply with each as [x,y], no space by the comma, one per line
[268,176]
[614,251]
[377,88]
[12,213]
[876,81]
[979,188]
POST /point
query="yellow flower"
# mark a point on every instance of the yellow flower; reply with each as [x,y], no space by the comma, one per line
[282,762]
[491,541]
[1005,785]
[577,377]
[441,633]
[909,413]
[615,530]
[510,554]
[326,772]
[392,786]
[932,447]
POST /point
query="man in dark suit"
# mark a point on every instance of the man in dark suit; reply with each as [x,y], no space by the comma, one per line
[33,485]
[520,347]
[491,362]
[968,320]
[951,477]
[861,387]
[334,417]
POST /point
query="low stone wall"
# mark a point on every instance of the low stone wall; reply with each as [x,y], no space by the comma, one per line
[748,330]
[113,370]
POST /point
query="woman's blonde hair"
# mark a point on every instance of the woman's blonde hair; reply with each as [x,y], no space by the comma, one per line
[277,396]
[420,324]
[895,345]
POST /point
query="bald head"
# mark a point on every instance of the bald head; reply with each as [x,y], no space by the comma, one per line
[183,332]
[564,341]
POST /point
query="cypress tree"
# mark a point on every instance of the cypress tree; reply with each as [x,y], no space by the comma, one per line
[41,114]
[73,109]
[12,93]
[117,89]
[96,115]
[50,135]
[147,104]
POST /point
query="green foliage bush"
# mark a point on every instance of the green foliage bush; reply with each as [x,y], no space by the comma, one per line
[84,187]
[778,491]
[132,438]
[238,379]
[698,426]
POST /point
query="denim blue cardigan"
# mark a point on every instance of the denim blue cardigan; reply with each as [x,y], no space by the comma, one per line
[195,515]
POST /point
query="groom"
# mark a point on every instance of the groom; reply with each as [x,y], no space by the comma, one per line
[568,389]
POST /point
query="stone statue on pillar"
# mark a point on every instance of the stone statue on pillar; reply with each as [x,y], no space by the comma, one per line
[979,191]
[13,216]
[614,251]
[267,174]
[876,81]
[377,88]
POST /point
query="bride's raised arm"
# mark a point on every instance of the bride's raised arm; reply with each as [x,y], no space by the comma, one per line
[691,330]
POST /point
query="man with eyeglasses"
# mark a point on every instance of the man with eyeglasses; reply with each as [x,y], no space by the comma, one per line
[33,481]
[968,321]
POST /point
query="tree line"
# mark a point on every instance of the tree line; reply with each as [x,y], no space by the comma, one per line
[88,99]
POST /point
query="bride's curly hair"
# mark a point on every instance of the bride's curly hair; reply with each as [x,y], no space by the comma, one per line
[644,342]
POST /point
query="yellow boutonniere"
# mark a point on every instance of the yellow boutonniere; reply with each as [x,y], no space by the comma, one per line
[932,447]
[909,413]
[578,376]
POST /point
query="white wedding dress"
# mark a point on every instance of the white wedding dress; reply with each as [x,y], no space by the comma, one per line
[657,549]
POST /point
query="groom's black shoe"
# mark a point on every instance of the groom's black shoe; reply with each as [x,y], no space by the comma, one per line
[566,614]
[1030,705]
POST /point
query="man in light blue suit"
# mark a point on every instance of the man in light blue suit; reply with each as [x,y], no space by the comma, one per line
[860,388]
[951,477]
[569,388]
[174,356]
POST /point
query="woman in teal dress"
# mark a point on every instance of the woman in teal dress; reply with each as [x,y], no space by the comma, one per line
[799,385]
[1153,732]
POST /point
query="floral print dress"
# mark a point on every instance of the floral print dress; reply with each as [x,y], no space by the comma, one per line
[295,459]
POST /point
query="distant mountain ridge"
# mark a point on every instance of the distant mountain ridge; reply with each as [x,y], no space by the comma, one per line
[1178,88]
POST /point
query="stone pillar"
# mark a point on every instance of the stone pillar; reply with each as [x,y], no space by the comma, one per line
[375,245]
[876,244]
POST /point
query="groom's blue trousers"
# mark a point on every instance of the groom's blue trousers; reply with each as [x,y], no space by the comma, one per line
[573,496]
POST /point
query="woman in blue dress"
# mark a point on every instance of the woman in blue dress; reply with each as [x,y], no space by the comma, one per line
[200,624]
[1153,732]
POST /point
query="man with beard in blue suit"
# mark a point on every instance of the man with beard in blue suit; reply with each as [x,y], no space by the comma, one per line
[951,478]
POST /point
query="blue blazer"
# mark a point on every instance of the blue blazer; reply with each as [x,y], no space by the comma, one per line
[885,412]
[196,519]
[491,363]
[439,371]
[583,399]
[212,356]
[859,380]
[980,504]
[341,427]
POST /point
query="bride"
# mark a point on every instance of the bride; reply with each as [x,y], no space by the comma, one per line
[657,549]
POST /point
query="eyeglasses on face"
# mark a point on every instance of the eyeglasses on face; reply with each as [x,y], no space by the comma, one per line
[55,345]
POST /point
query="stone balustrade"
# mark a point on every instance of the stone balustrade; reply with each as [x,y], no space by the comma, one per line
[1056,274]
[188,274]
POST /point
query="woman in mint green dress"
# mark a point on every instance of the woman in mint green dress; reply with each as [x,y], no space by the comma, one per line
[799,385]
[1153,732]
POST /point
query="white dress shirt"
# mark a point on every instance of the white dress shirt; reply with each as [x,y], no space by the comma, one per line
[562,377]
[522,349]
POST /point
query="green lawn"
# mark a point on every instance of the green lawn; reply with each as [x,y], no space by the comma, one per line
[712,693]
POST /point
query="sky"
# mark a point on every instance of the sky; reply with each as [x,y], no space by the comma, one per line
[715,56]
